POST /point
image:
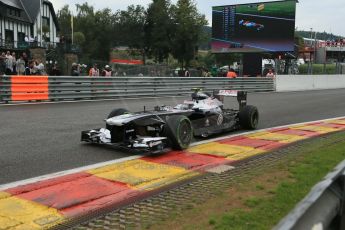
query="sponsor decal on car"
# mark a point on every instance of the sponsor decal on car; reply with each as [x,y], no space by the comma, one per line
[231,93]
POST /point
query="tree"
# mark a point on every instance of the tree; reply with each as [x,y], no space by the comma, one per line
[64,18]
[299,44]
[130,28]
[97,27]
[158,29]
[188,25]
[79,38]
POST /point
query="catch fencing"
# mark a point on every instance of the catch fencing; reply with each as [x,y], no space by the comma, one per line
[44,88]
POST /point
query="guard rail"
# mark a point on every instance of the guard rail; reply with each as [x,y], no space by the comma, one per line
[31,88]
[322,208]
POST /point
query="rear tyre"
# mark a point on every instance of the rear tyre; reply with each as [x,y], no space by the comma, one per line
[249,117]
[117,132]
[179,131]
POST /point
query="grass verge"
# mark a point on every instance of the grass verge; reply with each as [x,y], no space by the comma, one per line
[260,200]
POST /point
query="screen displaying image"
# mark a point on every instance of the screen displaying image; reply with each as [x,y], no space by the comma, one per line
[255,27]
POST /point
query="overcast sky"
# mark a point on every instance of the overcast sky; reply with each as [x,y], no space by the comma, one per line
[320,15]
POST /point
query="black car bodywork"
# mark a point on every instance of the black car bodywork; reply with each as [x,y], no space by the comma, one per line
[174,127]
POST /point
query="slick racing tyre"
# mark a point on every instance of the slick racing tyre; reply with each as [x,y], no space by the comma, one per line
[179,131]
[117,133]
[249,117]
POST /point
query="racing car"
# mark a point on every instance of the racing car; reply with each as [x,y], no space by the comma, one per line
[173,127]
[251,25]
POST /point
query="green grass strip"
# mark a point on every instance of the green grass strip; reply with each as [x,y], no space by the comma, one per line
[313,162]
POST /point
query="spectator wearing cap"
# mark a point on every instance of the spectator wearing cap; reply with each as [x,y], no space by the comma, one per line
[75,71]
[107,71]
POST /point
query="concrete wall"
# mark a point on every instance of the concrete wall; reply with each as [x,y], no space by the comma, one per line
[309,82]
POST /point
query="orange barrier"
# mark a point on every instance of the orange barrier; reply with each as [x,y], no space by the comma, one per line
[20,88]
[29,88]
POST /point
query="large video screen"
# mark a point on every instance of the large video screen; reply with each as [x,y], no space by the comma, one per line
[255,27]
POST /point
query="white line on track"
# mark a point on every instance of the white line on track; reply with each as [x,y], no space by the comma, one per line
[98,165]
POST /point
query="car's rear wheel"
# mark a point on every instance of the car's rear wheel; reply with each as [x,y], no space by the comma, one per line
[117,132]
[179,131]
[249,117]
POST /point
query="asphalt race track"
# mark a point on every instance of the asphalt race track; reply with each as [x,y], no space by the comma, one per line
[45,138]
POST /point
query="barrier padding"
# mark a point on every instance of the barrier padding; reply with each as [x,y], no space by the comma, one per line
[26,88]
[50,202]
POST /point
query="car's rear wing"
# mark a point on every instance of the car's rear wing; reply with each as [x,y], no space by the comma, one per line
[241,96]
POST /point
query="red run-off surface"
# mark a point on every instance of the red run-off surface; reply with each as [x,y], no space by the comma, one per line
[49,202]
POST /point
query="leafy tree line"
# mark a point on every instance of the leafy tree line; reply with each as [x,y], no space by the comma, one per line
[319,35]
[160,30]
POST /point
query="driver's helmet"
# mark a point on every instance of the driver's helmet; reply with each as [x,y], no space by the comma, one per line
[200,96]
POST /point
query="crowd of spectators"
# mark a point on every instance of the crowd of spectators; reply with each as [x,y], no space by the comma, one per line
[94,71]
[335,43]
[13,64]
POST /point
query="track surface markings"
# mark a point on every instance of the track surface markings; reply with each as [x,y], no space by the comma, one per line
[51,200]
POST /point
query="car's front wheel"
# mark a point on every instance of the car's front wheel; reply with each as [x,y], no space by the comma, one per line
[179,131]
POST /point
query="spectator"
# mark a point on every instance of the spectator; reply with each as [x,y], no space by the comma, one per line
[29,70]
[75,71]
[40,68]
[107,72]
[26,59]
[231,73]
[36,68]
[2,63]
[14,59]
[55,71]
[207,73]
[82,70]
[20,66]
[186,73]
[94,71]
[9,63]
[270,73]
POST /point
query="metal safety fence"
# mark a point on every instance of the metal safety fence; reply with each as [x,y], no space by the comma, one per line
[322,208]
[31,88]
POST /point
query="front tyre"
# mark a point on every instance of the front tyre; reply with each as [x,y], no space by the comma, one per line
[179,131]
[249,117]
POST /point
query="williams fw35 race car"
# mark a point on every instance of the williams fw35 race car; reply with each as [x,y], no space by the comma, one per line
[168,127]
